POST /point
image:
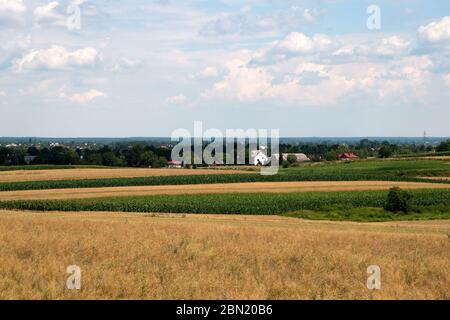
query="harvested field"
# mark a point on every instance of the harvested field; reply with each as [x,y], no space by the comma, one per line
[256,187]
[98,173]
[137,256]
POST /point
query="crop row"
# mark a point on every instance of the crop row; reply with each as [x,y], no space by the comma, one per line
[200,179]
[259,204]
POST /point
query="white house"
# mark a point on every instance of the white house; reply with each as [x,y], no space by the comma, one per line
[259,158]
[301,157]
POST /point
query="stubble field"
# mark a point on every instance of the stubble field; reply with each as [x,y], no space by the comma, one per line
[98,173]
[219,188]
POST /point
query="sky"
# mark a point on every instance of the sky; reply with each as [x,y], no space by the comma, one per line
[112,68]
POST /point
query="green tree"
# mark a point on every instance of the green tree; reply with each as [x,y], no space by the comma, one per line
[94,159]
[385,151]
[148,158]
[291,159]
[331,156]
[443,146]
[110,159]
[398,200]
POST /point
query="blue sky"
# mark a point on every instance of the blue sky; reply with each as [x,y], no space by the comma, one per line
[146,68]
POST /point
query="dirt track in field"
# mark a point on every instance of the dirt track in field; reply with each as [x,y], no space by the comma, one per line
[89,173]
[256,187]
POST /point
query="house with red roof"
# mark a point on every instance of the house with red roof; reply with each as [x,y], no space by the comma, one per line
[347,156]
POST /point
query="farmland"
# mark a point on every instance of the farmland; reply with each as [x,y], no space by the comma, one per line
[252,203]
[134,256]
[312,186]
[217,188]
[309,232]
[90,173]
[434,171]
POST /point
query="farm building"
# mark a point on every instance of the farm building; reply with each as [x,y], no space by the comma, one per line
[301,157]
[347,156]
[259,158]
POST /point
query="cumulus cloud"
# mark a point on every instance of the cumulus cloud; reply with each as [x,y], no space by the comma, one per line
[247,23]
[311,73]
[297,42]
[446,79]
[242,83]
[127,64]
[12,6]
[394,45]
[11,11]
[436,31]
[86,97]
[247,83]
[209,72]
[304,81]
[294,44]
[49,15]
[385,47]
[178,99]
[12,49]
[56,58]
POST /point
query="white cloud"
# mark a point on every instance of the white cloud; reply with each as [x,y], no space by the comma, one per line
[48,15]
[446,79]
[56,58]
[12,6]
[404,80]
[436,32]
[178,99]
[250,84]
[87,96]
[385,47]
[309,15]
[209,72]
[299,81]
[127,64]
[246,22]
[297,42]
[3,93]
[13,48]
[242,83]
[294,44]
[11,11]
[394,45]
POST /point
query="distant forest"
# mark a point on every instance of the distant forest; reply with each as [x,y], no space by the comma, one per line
[156,155]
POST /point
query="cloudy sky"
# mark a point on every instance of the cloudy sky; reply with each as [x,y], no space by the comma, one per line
[146,68]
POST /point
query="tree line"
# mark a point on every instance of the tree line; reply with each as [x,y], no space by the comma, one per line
[142,155]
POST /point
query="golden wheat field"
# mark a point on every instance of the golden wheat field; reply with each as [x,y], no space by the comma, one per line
[135,256]
[220,188]
[98,173]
